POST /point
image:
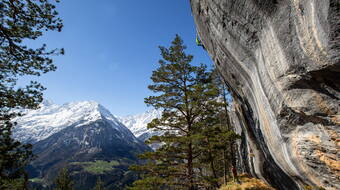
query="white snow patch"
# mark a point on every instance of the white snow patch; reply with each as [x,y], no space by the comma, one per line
[138,123]
[51,118]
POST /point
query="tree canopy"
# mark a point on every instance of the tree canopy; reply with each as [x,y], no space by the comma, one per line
[190,122]
[20,22]
[63,180]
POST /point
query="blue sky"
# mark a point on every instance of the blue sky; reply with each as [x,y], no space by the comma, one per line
[111,49]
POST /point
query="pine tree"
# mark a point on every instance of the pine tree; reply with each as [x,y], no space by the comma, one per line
[63,181]
[99,185]
[218,139]
[21,21]
[188,99]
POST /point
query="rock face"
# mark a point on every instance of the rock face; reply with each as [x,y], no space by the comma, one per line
[281,61]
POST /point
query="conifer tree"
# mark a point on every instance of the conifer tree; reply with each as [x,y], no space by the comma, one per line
[228,136]
[63,181]
[219,138]
[21,21]
[188,98]
[99,185]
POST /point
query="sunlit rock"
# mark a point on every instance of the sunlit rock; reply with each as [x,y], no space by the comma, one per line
[281,62]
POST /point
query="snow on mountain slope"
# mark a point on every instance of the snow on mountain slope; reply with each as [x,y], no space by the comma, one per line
[138,123]
[51,118]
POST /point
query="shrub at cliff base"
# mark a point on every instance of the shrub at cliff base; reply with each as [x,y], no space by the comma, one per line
[247,184]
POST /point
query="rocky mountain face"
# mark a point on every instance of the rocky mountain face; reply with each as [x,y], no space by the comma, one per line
[84,137]
[280,60]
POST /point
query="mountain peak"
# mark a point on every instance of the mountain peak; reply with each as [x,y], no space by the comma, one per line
[51,118]
[46,102]
[138,123]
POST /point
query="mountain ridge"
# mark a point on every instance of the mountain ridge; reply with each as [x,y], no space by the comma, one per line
[83,137]
[138,123]
[39,124]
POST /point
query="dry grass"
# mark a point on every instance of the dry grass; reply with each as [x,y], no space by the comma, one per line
[247,184]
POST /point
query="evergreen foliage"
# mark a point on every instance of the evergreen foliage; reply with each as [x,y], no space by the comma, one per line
[63,181]
[99,185]
[194,134]
[21,21]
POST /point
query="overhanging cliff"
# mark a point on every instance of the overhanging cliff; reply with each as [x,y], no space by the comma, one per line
[281,61]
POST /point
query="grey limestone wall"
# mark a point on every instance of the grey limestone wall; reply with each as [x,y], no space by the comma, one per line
[281,61]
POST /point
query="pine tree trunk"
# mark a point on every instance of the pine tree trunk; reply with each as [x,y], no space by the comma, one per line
[212,166]
[225,170]
[190,167]
[232,155]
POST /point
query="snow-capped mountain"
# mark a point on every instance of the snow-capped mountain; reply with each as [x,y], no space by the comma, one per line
[138,123]
[79,135]
[37,125]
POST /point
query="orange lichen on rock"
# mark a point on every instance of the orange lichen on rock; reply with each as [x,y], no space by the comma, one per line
[315,139]
[336,119]
[330,160]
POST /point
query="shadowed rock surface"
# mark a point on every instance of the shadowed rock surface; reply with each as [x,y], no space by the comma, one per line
[280,60]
